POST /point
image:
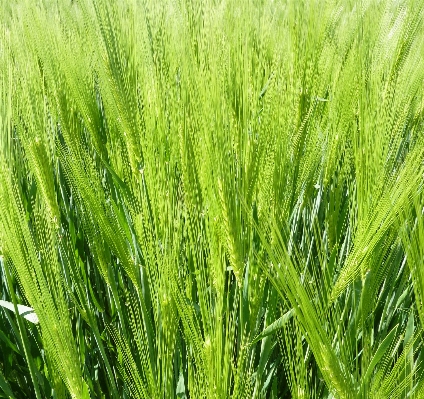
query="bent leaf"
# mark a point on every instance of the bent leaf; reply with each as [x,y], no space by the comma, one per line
[272,328]
[24,311]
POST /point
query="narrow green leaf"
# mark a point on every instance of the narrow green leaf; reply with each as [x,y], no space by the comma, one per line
[382,349]
[275,326]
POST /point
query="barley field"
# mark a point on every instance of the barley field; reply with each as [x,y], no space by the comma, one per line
[210,199]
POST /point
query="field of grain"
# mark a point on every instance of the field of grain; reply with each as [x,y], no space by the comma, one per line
[211,199]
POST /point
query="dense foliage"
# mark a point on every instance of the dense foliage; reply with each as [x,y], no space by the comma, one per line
[212,198]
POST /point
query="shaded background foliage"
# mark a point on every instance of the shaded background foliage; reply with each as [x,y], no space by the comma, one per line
[210,199]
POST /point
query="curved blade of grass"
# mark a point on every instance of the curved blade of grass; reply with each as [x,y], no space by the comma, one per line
[275,326]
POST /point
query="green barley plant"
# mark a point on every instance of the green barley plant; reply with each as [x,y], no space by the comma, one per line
[211,199]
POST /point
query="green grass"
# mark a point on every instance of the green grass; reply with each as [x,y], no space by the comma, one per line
[212,199]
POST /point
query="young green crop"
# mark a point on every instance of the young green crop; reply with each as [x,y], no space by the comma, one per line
[211,199]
